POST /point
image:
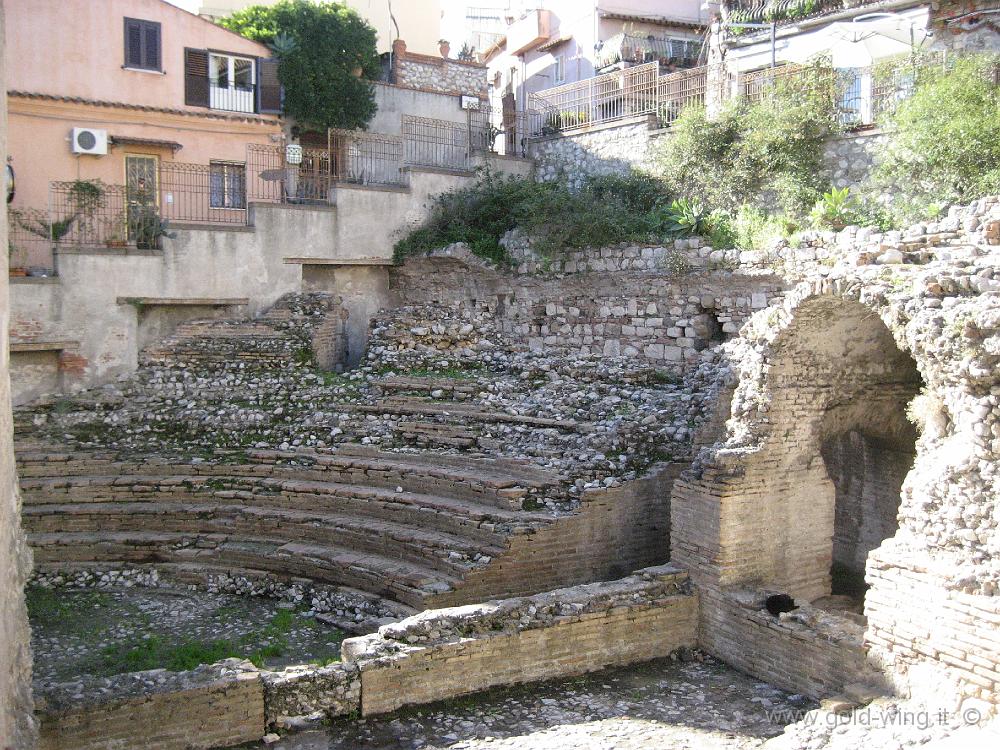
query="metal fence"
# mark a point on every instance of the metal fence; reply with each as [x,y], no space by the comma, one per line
[676,91]
[500,131]
[86,212]
[29,241]
[272,179]
[861,95]
[367,158]
[436,143]
[199,193]
[604,98]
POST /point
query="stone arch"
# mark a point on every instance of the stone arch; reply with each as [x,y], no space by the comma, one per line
[809,472]
[819,377]
[837,448]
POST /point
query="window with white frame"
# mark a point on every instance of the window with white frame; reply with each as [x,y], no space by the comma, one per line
[227,184]
[559,69]
[231,82]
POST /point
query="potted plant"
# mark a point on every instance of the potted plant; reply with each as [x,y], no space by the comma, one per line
[115,234]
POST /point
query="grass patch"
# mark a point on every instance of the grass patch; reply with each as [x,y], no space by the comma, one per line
[53,608]
[155,651]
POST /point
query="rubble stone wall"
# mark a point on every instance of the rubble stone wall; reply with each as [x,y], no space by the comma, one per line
[658,304]
[613,148]
[438,74]
[850,157]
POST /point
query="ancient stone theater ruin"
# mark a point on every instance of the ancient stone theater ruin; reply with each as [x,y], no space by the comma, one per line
[784,460]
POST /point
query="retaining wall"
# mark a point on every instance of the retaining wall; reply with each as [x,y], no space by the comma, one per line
[433,655]
[106,303]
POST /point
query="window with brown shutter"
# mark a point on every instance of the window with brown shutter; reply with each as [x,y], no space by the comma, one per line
[268,88]
[142,44]
[196,85]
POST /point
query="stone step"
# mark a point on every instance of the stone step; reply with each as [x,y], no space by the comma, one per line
[452,411]
[448,553]
[498,505]
[486,524]
[398,580]
[434,434]
[453,387]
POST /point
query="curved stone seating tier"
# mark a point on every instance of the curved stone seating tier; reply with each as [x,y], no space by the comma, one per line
[405,527]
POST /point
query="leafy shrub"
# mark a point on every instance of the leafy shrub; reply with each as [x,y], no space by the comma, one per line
[836,208]
[767,153]
[943,145]
[605,211]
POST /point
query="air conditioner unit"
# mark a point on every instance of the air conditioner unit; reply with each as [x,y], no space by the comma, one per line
[90,141]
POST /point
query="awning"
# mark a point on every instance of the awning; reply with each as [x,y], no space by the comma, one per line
[127,140]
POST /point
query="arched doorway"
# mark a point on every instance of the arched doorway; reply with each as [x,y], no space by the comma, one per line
[839,386]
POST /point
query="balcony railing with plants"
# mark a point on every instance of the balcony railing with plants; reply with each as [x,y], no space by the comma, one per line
[783,11]
[635,49]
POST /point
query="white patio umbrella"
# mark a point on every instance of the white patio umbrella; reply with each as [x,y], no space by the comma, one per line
[860,43]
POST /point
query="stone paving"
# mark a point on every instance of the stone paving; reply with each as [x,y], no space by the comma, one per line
[699,703]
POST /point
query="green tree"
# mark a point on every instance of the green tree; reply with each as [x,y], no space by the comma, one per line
[943,145]
[320,48]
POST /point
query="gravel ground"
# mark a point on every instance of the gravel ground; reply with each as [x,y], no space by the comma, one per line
[110,631]
[660,704]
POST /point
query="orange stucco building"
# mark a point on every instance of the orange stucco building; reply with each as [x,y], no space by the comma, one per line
[114,89]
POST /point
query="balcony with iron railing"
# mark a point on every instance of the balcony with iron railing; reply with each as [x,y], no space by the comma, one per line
[784,11]
[634,49]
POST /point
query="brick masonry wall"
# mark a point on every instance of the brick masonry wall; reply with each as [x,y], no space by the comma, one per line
[791,654]
[645,616]
[616,531]
[430,656]
[213,706]
[900,326]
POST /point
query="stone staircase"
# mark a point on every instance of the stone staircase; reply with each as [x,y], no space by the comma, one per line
[406,527]
[235,452]
[296,329]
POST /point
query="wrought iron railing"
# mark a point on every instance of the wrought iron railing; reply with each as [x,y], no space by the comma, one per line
[367,158]
[29,241]
[234,98]
[87,212]
[782,11]
[437,143]
[677,91]
[501,131]
[202,193]
[603,98]
[636,49]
